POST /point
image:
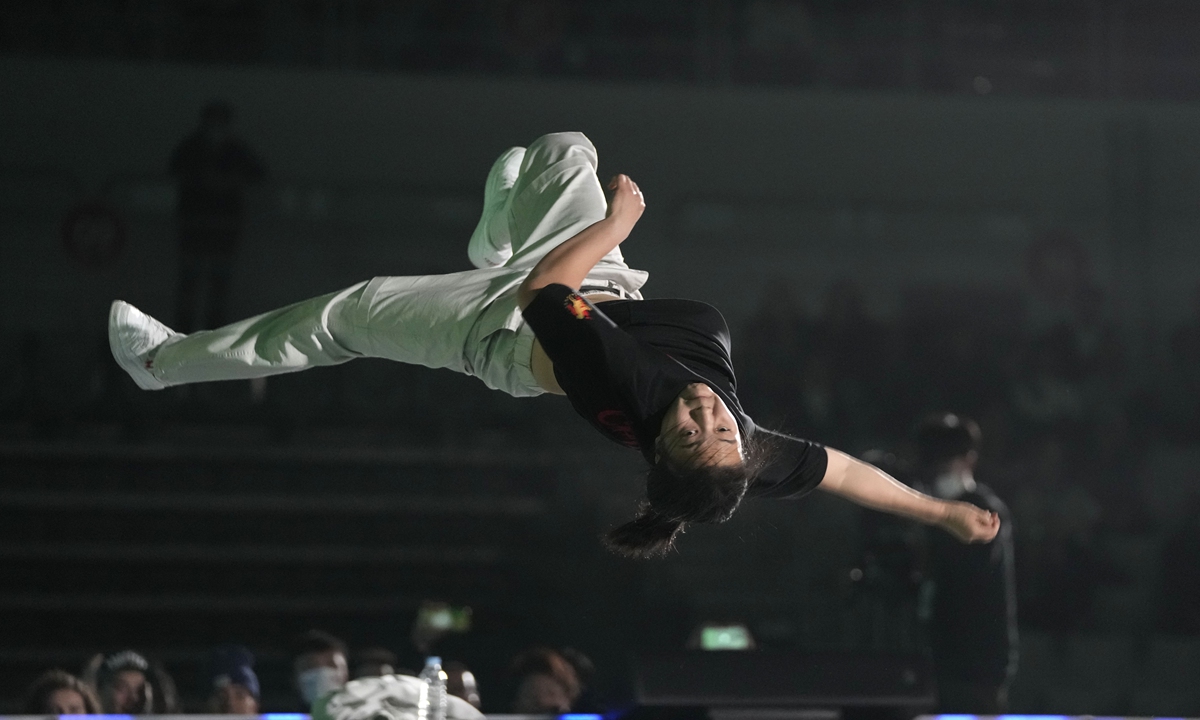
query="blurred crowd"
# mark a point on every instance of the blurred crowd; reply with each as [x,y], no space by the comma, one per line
[1069,410]
[807,43]
[541,680]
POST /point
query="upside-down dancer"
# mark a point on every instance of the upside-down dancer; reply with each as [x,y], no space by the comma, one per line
[553,308]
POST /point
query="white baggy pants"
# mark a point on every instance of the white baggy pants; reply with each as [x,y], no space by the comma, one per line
[466,321]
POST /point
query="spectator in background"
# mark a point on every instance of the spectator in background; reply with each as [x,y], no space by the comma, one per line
[235,689]
[212,168]
[374,662]
[590,699]
[972,601]
[60,693]
[122,682]
[547,683]
[460,682]
[319,662]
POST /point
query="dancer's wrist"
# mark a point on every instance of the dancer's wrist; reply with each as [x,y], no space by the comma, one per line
[619,224]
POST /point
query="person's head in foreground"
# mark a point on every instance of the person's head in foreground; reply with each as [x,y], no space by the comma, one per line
[235,689]
[546,683]
[374,662]
[460,682]
[319,663]
[123,682]
[60,693]
[701,470]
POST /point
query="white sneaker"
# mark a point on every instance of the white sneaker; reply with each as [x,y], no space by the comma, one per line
[491,245]
[132,335]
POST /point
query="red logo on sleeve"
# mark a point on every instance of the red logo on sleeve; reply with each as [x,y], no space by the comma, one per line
[578,307]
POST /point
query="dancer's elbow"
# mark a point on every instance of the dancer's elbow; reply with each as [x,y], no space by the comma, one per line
[529,289]
[525,295]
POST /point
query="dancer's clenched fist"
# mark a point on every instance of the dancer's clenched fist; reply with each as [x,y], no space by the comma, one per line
[626,202]
[971,524]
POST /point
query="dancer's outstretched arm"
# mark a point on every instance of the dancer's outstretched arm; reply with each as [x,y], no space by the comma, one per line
[867,485]
[569,263]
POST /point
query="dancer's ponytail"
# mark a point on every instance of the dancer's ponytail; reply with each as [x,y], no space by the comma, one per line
[647,535]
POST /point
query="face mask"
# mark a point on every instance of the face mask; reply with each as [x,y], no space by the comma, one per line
[317,682]
[951,485]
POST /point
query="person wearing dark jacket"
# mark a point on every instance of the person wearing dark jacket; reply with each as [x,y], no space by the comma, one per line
[972,606]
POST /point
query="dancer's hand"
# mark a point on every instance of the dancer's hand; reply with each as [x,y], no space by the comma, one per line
[969,523]
[626,203]
[570,262]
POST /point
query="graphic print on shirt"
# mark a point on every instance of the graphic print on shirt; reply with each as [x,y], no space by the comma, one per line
[577,307]
[617,423]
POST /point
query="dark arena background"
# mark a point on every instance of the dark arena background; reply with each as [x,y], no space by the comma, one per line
[988,208]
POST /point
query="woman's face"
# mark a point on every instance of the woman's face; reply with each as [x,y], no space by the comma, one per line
[235,699]
[699,430]
[65,701]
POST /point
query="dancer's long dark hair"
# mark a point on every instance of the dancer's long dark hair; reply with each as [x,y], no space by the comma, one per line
[676,497]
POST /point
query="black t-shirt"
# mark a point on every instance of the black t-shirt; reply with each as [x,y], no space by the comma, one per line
[622,367]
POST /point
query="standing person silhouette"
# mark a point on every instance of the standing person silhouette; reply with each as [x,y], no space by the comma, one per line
[552,307]
[972,609]
[212,168]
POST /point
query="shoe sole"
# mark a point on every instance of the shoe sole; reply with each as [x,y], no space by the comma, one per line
[118,316]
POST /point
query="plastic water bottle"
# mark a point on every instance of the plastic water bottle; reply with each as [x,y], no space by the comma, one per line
[423,701]
[435,680]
